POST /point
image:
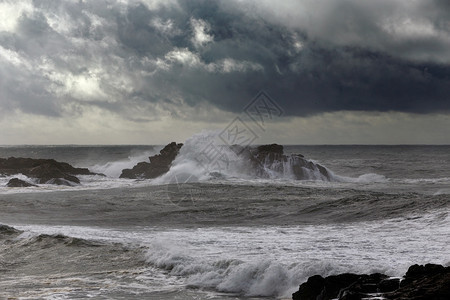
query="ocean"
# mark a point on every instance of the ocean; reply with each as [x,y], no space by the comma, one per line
[220,234]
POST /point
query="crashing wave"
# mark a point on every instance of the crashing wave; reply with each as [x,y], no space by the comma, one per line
[202,159]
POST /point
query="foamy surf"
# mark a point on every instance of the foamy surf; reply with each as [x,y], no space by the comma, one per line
[220,232]
[113,169]
[205,158]
[265,261]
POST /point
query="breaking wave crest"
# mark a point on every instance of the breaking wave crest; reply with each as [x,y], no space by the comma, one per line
[114,168]
[257,278]
[203,158]
[254,278]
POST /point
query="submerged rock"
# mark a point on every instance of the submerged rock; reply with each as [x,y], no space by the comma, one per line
[420,283]
[44,170]
[159,164]
[16,182]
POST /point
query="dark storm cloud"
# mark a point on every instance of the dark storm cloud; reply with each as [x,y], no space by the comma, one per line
[311,57]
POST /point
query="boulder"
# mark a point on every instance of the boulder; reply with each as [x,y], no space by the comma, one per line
[318,287]
[159,164]
[362,287]
[16,182]
[51,174]
[389,285]
[272,157]
[311,289]
[430,282]
[272,148]
[44,170]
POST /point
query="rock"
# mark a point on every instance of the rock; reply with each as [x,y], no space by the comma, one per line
[273,148]
[44,170]
[138,171]
[351,295]
[16,182]
[430,282]
[362,287]
[389,285]
[260,162]
[8,230]
[50,174]
[159,164]
[272,157]
[318,287]
[311,289]
[418,271]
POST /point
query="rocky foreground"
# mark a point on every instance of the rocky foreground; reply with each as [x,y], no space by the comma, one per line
[428,282]
[43,171]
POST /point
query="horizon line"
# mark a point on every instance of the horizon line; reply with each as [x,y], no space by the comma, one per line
[146,145]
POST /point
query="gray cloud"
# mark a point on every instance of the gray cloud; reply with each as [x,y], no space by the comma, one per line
[143,59]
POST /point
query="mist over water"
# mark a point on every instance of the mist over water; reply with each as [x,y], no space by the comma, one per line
[219,231]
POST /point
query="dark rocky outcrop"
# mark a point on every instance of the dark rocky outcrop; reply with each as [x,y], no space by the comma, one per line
[272,157]
[257,161]
[342,286]
[44,170]
[272,148]
[16,182]
[159,164]
[430,282]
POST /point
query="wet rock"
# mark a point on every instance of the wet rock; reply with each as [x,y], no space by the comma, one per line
[16,182]
[51,174]
[272,148]
[318,287]
[363,287]
[257,161]
[272,157]
[352,295]
[311,289]
[44,170]
[159,164]
[389,285]
[430,282]
[419,271]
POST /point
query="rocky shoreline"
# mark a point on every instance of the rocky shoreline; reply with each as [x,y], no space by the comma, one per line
[421,282]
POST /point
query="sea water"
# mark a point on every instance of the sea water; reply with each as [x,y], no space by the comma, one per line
[221,234]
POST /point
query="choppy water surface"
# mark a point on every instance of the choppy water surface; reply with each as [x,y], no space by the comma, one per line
[227,236]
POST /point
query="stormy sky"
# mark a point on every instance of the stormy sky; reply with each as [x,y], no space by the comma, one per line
[150,71]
